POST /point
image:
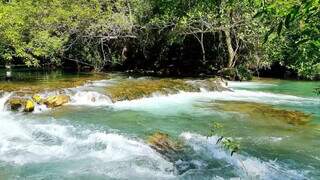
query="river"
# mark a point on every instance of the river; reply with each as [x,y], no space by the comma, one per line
[93,137]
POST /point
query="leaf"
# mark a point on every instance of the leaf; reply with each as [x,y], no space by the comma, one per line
[307,5]
[266,37]
[259,14]
[295,11]
[287,20]
[292,15]
[280,28]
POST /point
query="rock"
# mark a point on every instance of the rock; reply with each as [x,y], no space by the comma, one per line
[260,111]
[135,89]
[56,101]
[211,84]
[18,103]
[37,98]
[29,106]
[163,144]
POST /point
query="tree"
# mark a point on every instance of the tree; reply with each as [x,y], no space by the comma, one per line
[293,36]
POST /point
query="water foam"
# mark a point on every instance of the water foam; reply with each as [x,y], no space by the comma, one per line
[23,141]
[3,100]
[246,166]
[90,98]
[185,100]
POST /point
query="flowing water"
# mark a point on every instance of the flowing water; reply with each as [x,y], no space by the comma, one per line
[94,138]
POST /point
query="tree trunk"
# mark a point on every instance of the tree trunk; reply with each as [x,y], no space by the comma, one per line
[231,52]
[203,50]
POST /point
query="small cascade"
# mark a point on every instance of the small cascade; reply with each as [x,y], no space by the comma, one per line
[108,154]
[3,99]
[246,166]
[90,98]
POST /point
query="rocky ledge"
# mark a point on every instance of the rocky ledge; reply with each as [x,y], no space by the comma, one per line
[135,89]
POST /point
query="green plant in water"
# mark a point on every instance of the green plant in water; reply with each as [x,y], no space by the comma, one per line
[215,127]
[228,143]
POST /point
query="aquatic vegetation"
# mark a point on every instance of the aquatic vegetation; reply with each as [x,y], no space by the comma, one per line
[228,143]
[263,111]
[215,128]
[135,89]
[56,101]
[231,145]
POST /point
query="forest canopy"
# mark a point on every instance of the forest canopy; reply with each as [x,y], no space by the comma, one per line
[167,36]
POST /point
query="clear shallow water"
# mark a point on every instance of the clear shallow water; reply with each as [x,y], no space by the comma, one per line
[99,139]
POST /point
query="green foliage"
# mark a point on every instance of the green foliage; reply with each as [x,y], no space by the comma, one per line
[244,35]
[231,145]
[216,128]
[294,35]
[40,32]
[228,143]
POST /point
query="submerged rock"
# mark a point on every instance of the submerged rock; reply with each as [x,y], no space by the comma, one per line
[135,89]
[56,101]
[163,144]
[173,151]
[264,111]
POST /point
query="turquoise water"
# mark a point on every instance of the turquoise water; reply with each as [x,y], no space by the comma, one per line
[99,139]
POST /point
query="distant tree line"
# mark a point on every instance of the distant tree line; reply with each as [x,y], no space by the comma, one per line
[171,37]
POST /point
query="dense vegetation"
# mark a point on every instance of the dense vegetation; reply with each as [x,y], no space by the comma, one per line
[174,37]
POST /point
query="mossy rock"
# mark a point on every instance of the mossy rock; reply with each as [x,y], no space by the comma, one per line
[56,101]
[135,89]
[37,98]
[211,84]
[17,104]
[263,111]
[29,106]
[162,143]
